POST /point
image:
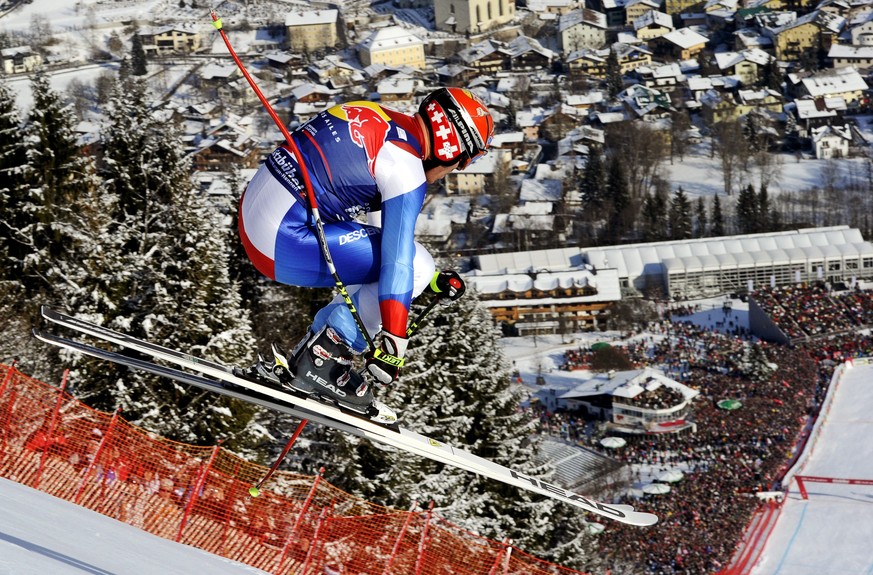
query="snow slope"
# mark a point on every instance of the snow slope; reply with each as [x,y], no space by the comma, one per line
[832,531]
[42,534]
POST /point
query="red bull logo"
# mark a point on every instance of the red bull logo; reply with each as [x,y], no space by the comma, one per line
[368,127]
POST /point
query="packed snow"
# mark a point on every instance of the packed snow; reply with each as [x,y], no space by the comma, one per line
[42,534]
[832,531]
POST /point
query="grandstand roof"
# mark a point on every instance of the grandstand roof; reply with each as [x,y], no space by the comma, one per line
[732,251]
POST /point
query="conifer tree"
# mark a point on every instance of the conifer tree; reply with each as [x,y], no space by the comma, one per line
[593,179]
[680,215]
[53,176]
[618,198]
[456,387]
[747,210]
[614,80]
[654,216]
[12,159]
[137,56]
[717,218]
[168,281]
[765,211]
[700,222]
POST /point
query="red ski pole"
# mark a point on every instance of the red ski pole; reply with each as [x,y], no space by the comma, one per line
[255,490]
[310,194]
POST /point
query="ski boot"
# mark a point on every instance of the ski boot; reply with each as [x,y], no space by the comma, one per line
[320,366]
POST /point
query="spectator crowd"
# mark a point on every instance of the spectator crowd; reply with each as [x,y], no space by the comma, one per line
[815,310]
[733,454]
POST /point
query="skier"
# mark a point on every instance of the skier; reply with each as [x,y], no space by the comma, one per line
[358,158]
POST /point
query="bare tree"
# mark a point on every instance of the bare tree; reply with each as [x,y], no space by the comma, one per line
[731,147]
[642,150]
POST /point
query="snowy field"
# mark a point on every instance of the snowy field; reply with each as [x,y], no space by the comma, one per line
[41,534]
[832,531]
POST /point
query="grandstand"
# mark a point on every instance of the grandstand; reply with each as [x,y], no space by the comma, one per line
[689,268]
[583,470]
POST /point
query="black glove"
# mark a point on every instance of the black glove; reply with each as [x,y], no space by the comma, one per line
[447,285]
[384,363]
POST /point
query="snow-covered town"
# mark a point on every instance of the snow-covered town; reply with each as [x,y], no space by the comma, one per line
[669,249]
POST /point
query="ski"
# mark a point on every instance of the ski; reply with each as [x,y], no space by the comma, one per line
[220,378]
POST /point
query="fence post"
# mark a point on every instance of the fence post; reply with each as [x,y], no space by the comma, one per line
[422,544]
[228,507]
[400,537]
[309,554]
[51,429]
[297,522]
[801,486]
[500,556]
[8,377]
[103,441]
[198,486]
[7,415]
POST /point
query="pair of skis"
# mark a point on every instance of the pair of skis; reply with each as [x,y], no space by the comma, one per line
[220,378]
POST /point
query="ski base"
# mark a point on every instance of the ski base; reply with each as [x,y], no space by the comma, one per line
[219,378]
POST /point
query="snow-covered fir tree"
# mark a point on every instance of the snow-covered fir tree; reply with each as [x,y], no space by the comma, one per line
[12,159]
[456,387]
[49,183]
[167,280]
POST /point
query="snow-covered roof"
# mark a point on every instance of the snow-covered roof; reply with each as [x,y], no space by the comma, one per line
[836,81]
[583,16]
[685,37]
[637,260]
[311,17]
[627,384]
[534,190]
[390,38]
[653,18]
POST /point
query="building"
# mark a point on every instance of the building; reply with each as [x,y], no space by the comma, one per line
[736,264]
[846,83]
[312,30]
[652,24]
[681,44]
[393,47]
[481,175]
[808,34]
[677,6]
[636,8]
[634,401]
[19,59]
[544,291]
[581,29]
[170,40]
[745,64]
[831,141]
[845,56]
[472,16]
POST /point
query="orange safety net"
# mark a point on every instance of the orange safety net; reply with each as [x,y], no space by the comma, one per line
[199,496]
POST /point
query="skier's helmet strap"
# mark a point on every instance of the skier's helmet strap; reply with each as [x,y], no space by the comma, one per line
[459,125]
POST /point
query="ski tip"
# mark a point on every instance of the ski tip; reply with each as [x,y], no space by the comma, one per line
[644,519]
[254,491]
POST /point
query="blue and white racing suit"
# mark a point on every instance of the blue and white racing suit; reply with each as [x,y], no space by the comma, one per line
[361,158]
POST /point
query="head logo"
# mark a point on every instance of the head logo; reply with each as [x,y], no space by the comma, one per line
[368,127]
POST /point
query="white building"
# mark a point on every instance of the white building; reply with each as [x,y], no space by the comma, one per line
[393,47]
[634,401]
[831,142]
[19,59]
[472,16]
[581,29]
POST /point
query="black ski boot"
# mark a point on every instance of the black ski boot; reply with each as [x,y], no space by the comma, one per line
[321,365]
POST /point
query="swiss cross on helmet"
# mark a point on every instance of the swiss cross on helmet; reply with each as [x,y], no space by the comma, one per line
[459,125]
